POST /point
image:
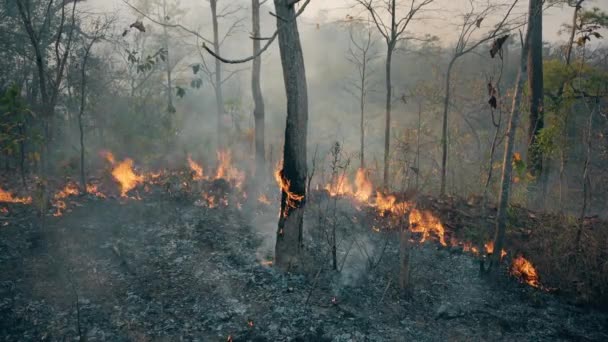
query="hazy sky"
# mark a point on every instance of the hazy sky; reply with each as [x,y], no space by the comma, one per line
[447,9]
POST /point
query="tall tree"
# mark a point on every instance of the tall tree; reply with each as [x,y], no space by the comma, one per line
[256,90]
[360,54]
[535,90]
[472,20]
[393,33]
[507,165]
[292,176]
[49,83]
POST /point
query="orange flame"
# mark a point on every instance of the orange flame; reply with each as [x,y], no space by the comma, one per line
[489,246]
[340,186]
[7,197]
[284,185]
[364,185]
[70,189]
[228,172]
[196,169]
[525,271]
[123,173]
[93,189]
[426,223]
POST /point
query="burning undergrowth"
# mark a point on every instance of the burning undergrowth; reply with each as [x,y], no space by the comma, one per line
[148,264]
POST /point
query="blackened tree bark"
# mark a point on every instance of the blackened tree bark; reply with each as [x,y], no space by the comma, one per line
[293,174]
[535,88]
[256,89]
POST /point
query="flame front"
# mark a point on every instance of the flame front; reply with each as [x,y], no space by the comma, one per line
[340,186]
[364,185]
[70,189]
[226,171]
[7,197]
[196,168]
[127,178]
[525,271]
[426,223]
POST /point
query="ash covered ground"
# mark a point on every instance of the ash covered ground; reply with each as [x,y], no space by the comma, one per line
[164,269]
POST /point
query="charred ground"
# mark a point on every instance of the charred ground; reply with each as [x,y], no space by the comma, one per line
[162,268]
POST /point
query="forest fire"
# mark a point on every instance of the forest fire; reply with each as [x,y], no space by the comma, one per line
[489,247]
[340,186]
[123,173]
[225,169]
[7,197]
[93,189]
[71,189]
[284,185]
[426,223]
[197,169]
[523,269]
[364,185]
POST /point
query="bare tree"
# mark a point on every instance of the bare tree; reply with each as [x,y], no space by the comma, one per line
[393,33]
[361,54]
[49,84]
[97,35]
[256,90]
[536,93]
[472,21]
[507,165]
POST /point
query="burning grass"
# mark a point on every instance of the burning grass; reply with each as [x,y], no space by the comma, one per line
[7,197]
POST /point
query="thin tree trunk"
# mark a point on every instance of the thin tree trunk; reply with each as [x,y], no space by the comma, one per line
[586,181]
[293,174]
[444,130]
[219,97]
[563,186]
[362,108]
[83,91]
[536,95]
[507,166]
[387,130]
[404,255]
[258,100]
[418,144]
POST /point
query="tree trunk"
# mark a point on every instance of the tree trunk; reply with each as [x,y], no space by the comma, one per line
[258,100]
[219,97]
[362,107]
[507,165]
[83,87]
[293,174]
[404,255]
[535,88]
[387,130]
[444,131]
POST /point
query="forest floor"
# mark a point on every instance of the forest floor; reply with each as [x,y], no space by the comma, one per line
[167,270]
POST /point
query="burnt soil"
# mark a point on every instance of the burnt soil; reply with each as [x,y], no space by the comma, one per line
[167,270]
